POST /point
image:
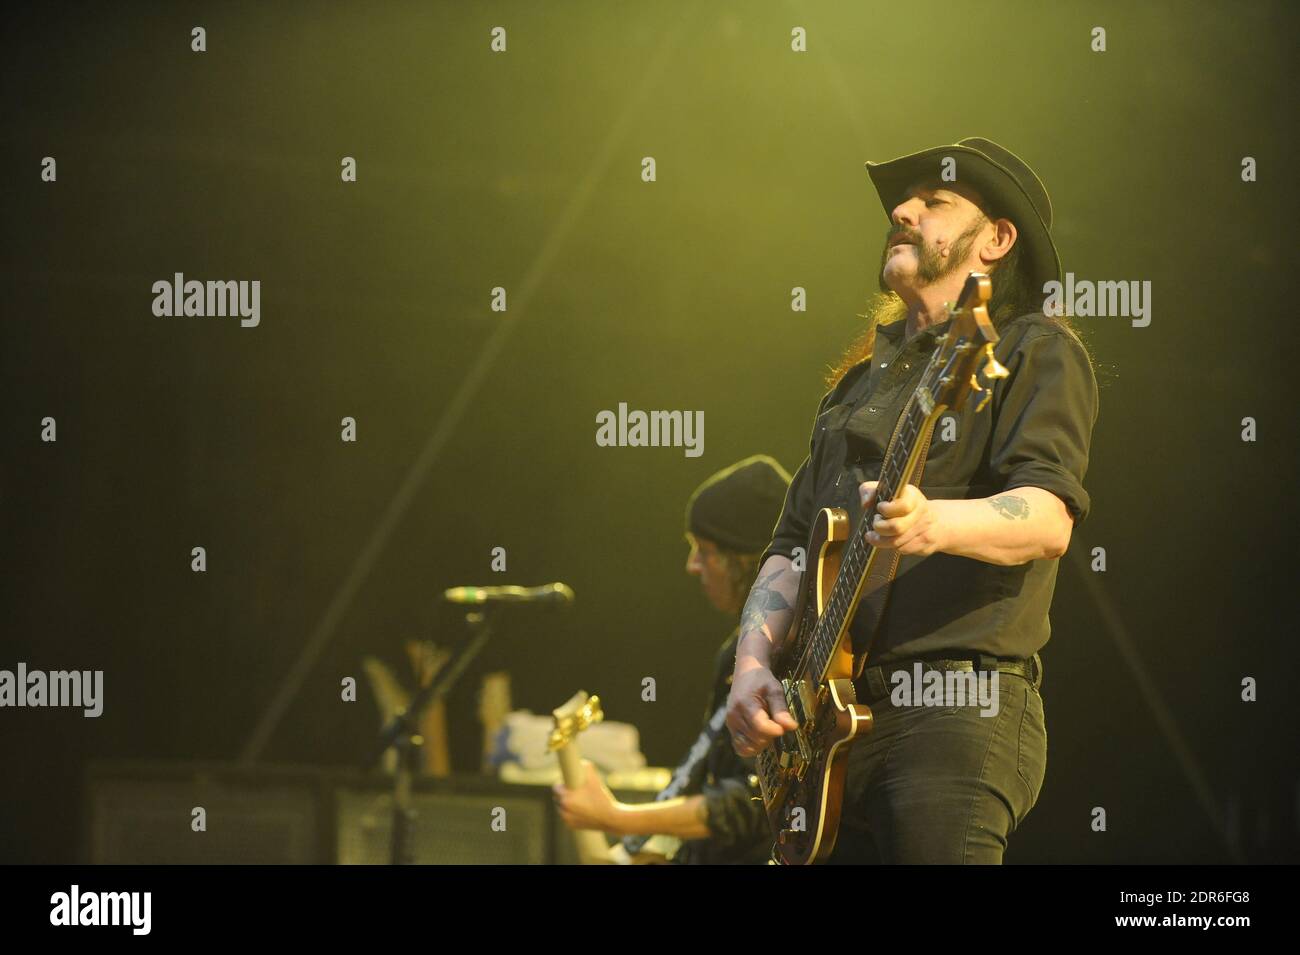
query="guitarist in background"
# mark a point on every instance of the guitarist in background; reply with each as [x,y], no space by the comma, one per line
[713,801]
[979,542]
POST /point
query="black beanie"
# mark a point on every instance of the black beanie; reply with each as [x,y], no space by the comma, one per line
[738,507]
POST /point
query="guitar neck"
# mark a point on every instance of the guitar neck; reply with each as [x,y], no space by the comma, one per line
[902,460]
[570,720]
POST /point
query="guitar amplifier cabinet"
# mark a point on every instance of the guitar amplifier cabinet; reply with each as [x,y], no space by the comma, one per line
[141,813]
[450,828]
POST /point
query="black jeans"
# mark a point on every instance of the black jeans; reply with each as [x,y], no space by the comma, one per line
[943,784]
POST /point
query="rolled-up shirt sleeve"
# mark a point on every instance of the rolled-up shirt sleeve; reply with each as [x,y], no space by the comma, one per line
[792,526]
[1045,419]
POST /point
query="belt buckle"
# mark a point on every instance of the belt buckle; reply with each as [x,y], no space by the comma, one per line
[875,684]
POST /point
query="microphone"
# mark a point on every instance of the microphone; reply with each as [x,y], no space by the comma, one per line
[556,594]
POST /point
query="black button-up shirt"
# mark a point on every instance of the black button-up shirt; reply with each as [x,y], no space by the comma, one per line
[1035,431]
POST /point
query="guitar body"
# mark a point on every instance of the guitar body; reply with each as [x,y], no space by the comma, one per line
[830,718]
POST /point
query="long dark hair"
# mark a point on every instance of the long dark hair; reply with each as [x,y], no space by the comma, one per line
[741,570]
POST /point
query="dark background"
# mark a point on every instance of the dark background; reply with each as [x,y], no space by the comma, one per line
[523,170]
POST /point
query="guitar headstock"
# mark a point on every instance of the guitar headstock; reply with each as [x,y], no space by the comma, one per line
[964,362]
[573,717]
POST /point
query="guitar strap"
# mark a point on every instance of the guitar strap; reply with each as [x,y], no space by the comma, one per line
[881,575]
[689,773]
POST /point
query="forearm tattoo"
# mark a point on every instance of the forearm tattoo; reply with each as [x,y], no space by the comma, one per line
[762,601]
[1010,506]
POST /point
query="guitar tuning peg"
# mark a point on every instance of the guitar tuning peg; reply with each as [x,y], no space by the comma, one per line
[993,368]
[984,393]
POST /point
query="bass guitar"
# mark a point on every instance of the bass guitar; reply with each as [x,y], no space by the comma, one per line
[802,774]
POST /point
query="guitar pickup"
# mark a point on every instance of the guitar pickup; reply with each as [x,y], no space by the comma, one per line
[799,698]
[785,755]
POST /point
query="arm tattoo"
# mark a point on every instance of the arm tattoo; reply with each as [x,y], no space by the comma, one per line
[1010,506]
[762,601]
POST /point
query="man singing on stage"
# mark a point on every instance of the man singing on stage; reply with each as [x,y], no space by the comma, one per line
[980,539]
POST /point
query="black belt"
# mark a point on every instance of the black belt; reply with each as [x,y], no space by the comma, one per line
[875,683]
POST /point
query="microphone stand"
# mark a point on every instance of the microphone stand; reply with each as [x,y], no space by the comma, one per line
[402,733]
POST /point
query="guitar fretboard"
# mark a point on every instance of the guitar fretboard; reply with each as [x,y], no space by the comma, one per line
[857,553]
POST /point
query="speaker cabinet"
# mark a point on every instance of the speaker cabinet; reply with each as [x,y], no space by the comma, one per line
[449,828]
[144,814]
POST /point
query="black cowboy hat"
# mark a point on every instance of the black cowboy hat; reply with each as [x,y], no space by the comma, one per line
[1005,181]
